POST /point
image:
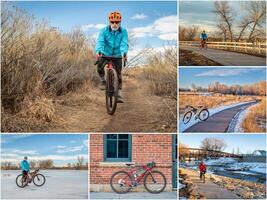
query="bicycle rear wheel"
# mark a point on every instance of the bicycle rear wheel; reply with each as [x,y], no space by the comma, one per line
[111,90]
[155,182]
[121,182]
[187,117]
[39,180]
[204,115]
[21,181]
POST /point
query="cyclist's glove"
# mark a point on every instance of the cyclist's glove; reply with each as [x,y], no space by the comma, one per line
[98,55]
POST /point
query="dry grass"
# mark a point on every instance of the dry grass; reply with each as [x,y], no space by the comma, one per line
[216,100]
[255,120]
[161,74]
[39,63]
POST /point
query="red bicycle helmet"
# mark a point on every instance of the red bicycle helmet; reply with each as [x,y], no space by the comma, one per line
[115,16]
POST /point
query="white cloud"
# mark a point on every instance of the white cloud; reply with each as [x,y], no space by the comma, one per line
[85,143]
[72,141]
[92,26]
[70,149]
[165,28]
[168,36]
[224,72]
[19,152]
[17,159]
[139,16]
[60,147]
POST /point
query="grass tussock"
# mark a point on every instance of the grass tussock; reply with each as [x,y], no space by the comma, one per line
[255,120]
[39,63]
[216,100]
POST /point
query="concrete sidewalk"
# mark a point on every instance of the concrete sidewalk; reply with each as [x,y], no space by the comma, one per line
[133,195]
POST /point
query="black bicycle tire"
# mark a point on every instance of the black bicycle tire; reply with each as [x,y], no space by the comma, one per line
[162,189]
[201,112]
[188,112]
[111,185]
[36,176]
[116,85]
[17,181]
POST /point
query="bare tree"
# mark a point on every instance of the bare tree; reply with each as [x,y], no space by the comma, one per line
[46,164]
[213,144]
[225,14]
[33,164]
[80,161]
[255,19]
[188,33]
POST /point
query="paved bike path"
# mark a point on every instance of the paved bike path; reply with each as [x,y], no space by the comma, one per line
[209,189]
[218,122]
[228,58]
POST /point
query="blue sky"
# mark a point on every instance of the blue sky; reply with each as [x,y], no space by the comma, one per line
[200,13]
[229,76]
[152,23]
[62,148]
[245,142]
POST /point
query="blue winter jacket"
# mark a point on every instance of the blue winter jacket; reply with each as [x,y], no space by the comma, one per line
[25,165]
[112,43]
[203,36]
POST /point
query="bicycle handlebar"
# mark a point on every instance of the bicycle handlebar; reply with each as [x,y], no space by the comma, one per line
[111,57]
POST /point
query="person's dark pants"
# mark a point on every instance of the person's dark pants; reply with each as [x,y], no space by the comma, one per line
[25,172]
[202,173]
[203,42]
[118,67]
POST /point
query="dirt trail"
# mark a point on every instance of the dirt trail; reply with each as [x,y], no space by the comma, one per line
[141,112]
[209,189]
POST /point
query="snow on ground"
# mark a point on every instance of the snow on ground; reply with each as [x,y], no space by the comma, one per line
[183,127]
[250,166]
[60,184]
[238,126]
[220,161]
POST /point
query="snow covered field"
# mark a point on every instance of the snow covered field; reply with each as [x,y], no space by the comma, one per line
[183,127]
[60,184]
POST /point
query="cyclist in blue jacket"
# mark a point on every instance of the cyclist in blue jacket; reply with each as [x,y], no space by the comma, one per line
[25,166]
[112,41]
[204,38]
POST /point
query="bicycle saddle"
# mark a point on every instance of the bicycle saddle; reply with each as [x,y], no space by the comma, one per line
[129,164]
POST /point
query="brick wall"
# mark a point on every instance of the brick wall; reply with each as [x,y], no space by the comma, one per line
[145,148]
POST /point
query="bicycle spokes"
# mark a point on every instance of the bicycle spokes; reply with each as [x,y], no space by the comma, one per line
[121,182]
[155,182]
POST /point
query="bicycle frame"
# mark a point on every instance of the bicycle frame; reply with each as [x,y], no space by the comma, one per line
[139,178]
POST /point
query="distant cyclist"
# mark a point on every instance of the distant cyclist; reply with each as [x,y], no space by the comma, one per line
[112,41]
[204,38]
[25,166]
[202,168]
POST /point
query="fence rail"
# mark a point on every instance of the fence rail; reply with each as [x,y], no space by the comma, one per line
[257,47]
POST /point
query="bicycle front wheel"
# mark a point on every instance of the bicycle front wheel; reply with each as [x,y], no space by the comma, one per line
[121,182]
[155,182]
[39,180]
[187,117]
[21,181]
[112,85]
[204,115]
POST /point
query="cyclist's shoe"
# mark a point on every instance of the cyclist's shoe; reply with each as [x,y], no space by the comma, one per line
[120,98]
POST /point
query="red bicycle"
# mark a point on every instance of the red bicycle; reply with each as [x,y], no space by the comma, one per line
[123,181]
